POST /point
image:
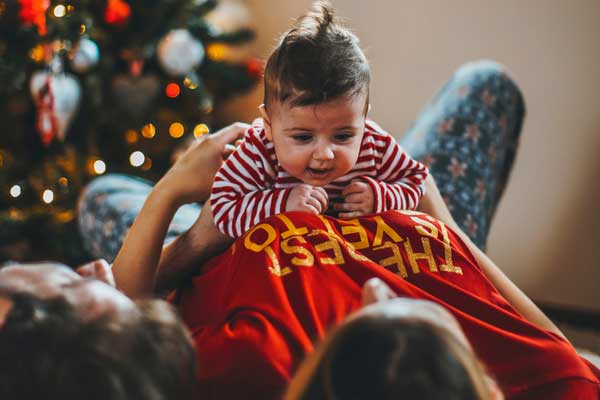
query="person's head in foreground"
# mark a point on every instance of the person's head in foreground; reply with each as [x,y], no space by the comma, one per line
[394,348]
[67,337]
[316,85]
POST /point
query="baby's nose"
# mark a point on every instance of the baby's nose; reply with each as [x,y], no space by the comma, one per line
[323,153]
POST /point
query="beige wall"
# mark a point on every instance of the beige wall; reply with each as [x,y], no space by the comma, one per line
[546,234]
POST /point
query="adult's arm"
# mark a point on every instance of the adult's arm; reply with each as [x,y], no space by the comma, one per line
[141,266]
[434,205]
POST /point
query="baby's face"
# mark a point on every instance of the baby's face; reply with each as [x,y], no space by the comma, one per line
[317,143]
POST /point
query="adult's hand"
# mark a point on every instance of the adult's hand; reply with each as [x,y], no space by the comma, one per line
[190,178]
[375,290]
[98,269]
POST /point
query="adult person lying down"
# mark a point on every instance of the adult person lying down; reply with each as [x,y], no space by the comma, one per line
[69,338]
[255,311]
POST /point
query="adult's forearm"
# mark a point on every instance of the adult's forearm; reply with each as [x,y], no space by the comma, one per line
[434,205]
[185,255]
[135,267]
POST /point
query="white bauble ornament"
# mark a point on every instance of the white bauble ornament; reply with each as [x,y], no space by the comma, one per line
[85,55]
[229,16]
[179,52]
[57,98]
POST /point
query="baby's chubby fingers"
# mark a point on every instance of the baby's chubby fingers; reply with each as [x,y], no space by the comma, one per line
[315,204]
[307,198]
[356,186]
[321,195]
[346,206]
[355,198]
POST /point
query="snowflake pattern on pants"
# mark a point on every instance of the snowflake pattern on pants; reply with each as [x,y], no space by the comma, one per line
[468,136]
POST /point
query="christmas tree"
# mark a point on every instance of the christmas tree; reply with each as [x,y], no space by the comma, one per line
[89,87]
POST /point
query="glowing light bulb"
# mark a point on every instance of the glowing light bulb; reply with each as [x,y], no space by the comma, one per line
[60,11]
[99,167]
[48,196]
[200,129]
[190,84]
[217,51]
[176,130]
[172,90]
[137,158]
[15,191]
[149,131]
[147,164]
[131,136]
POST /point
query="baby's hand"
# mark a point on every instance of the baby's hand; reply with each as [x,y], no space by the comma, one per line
[358,200]
[312,199]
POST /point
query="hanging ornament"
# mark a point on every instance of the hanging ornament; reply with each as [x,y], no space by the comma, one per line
[229,16]
[56,97]
[117,12]
[179,52]
[254,68]
[85,55]
[33,12]
[135,94]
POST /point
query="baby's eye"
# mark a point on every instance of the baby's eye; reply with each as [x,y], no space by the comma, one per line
[302,137]
[343,137]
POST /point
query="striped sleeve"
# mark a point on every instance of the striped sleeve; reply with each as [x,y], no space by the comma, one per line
[240,195]
[399,181]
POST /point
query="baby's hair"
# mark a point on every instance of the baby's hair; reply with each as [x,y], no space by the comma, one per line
[316,61]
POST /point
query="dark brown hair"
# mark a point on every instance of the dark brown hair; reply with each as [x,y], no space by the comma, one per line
[372,357]
[48,351]
[316,61]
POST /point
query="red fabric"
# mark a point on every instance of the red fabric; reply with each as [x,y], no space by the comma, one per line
[255,312]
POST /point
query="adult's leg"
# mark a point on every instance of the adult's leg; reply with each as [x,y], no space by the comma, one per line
[468,136]
[107,208]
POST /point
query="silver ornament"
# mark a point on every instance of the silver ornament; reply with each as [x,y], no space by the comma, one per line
[179,52]
[85,55]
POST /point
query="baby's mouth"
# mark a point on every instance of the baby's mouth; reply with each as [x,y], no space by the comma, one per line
[319,171]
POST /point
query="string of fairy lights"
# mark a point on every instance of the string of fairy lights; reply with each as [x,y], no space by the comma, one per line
[137,159]
[41,188]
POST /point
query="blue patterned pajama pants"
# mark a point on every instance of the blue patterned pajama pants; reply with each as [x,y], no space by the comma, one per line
[467,136]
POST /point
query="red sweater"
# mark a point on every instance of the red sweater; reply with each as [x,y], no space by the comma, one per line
[257,309]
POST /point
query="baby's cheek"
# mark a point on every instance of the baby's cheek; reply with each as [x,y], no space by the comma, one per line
[347,160]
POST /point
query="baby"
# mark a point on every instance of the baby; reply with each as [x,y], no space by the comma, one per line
[314,149]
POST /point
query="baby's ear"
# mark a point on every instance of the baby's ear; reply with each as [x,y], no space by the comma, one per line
[263,113]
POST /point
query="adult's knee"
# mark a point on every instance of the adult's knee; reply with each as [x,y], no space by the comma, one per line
[111,183]
[493,77]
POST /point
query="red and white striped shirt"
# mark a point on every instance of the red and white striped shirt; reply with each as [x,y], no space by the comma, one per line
[251,186]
